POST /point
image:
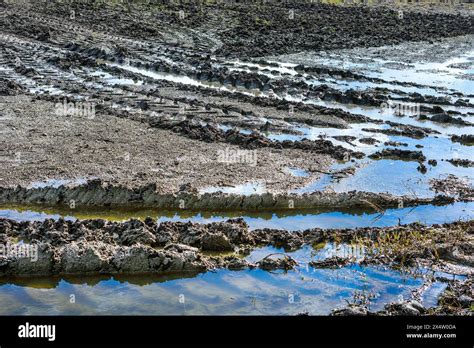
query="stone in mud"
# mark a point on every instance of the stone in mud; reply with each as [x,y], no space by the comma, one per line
[269,263]
[399,154]
[330,262]
[368,141]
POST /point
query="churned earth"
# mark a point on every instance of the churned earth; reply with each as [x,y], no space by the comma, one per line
[241,154]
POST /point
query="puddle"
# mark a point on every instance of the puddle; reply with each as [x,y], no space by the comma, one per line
[305,289]
[377,113]
[298,172]
[396,177]
[113,80]
[328,133]
[275,71]
[186,80]
[430,296]
[222,292]
[400,177]
[451,73]
[288,220]
[345,85]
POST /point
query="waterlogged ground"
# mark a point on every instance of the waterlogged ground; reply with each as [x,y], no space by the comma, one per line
[292,117]
[223,292]
[249,292]
[284,220]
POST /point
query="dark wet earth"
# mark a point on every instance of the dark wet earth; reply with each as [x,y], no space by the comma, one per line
[394,119]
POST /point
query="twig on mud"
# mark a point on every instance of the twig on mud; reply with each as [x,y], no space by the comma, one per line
[409,212]
[410,189]
[377,208]
[378,217]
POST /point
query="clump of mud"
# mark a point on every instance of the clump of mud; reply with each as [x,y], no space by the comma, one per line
[9,87]
[465,139]
[453,186]
[407,155]
[461,162]
[331,262]
[99,246]
[457,299]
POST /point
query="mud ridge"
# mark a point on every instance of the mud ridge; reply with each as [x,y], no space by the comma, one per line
[97,193]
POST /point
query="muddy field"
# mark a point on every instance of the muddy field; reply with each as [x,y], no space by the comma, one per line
[252,158]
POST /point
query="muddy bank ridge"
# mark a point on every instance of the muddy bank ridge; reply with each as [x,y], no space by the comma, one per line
[134,246]
[97,193]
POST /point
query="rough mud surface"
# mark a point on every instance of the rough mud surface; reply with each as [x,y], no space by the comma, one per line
[99,246]
[101,240]
[41,43]
[453,186]
[132,153]
[240,107]
[457,299]
[97,193]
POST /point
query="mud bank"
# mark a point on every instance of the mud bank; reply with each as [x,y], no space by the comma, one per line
[99,246]
[98,193]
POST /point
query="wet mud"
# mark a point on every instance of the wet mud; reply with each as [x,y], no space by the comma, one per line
[241,108]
